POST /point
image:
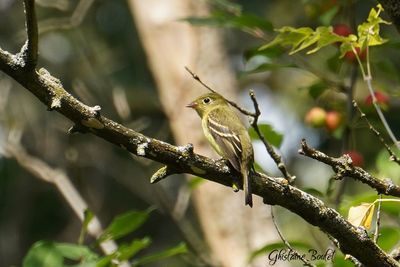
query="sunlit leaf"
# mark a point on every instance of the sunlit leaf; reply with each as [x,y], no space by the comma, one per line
[361,215]
[368,32]
[391,207]
[272,136]
[311,41]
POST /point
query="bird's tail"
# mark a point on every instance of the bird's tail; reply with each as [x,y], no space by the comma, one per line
[246,187]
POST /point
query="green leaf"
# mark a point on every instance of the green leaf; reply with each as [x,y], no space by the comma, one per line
[242,22]
[385,167]
[388,207]
[303,38]
[298,245]
[125,252]
[328,16]
[251,21]
[317,89]
[88,216]
[49,254]
[388,237]
[43,254]
[124,224]
[179,249]
[267,67]
[258,167]
[368,32]
[76,252]
[272,136]
[271,52]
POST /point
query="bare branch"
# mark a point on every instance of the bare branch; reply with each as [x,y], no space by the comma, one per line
[392,155]
[343,167]
[271,151]
[378,220]
[287,244]
[31,47]
[233,104]
[352,241]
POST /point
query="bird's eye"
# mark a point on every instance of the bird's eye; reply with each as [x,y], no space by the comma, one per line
[206,100]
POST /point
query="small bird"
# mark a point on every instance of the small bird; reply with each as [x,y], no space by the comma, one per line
[227,135]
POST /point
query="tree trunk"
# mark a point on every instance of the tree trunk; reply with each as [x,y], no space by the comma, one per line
[231,229]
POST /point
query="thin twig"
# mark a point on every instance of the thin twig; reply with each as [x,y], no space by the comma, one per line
[380,113]
[277,158]
[32,34]
[367,76]
[378,220]
[255,116]
[197,78]
[392,155]
[287,244]
[343,167]
[347,133]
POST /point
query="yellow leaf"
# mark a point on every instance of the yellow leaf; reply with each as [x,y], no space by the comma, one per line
[361,215]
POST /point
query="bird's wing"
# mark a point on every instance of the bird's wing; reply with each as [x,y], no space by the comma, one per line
[226,138]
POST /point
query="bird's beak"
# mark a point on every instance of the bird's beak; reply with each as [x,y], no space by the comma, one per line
[192,105]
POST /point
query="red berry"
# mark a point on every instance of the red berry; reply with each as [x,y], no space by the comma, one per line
[333,120]
[315,117]
[381,98]
[351,57]
[342,30]
[356,157]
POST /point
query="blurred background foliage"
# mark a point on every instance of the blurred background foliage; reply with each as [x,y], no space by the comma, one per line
[99,58]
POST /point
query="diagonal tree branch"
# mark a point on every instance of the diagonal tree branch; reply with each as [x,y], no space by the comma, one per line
[343,167]
[50,91]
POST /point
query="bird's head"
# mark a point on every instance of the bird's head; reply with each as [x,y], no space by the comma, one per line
[206,102]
